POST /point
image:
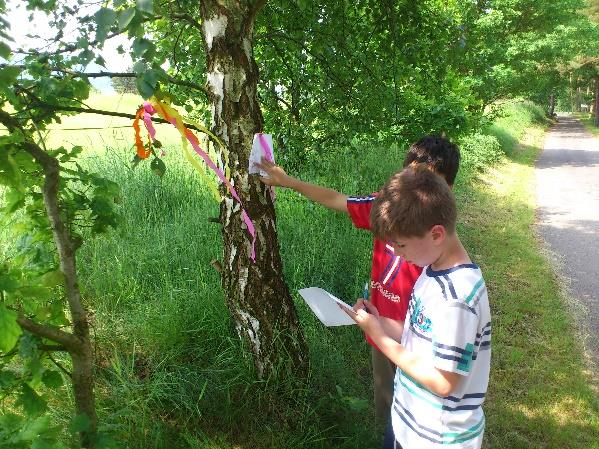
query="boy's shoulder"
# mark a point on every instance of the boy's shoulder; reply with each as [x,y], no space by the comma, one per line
[462,283]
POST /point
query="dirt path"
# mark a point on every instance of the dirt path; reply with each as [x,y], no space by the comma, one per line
[567,178]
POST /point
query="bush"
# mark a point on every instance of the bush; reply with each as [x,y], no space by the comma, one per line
[478,151]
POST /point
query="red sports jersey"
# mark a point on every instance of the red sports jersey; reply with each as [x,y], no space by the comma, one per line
[392,278]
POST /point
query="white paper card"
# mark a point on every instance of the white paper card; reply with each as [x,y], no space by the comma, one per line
[258,151]
[324,305]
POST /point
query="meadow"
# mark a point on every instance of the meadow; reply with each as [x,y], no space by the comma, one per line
[171,372]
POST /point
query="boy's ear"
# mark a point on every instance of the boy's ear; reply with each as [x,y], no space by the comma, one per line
[438,233]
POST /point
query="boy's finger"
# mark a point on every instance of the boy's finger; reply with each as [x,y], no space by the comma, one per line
[358,304]
[350,312]
[265,162]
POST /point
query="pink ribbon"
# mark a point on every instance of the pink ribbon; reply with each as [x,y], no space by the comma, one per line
[148,122]
[149,110]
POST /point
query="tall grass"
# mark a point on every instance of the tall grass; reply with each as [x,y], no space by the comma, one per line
[171,372]
[169,360]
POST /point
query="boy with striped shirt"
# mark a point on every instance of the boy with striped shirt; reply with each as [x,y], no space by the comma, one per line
[443,359]
[392,278]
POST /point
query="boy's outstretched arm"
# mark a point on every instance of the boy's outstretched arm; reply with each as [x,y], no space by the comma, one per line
[322,195]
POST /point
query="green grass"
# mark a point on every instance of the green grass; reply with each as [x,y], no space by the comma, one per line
[540,393]
[172,374]
[588,121]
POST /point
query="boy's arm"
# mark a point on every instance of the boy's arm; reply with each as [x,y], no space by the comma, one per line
[436,380]
[393,328]
[440,382]
[322,195]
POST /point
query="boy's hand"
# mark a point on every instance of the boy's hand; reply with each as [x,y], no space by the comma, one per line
[276,175]
[366,316]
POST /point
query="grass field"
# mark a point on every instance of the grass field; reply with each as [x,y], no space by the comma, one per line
[99,133]
[172,374]
[587,119]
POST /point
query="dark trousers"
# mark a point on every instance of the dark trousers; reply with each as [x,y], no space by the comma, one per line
[389,442]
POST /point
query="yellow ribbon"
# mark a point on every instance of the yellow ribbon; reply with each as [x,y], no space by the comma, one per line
[166,111]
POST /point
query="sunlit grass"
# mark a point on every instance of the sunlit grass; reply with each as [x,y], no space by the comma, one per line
[171,372]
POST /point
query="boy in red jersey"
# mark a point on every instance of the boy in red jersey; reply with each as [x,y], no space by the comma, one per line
[392,278]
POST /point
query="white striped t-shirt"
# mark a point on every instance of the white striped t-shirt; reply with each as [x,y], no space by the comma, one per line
[449,323]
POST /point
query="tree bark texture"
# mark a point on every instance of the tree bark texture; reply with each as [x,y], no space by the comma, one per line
[256,294]
[551,109]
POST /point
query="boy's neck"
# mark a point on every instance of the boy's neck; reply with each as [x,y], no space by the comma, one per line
[453,254]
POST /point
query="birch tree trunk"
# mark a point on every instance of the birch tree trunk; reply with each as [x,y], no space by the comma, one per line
[256,294]
[551,109]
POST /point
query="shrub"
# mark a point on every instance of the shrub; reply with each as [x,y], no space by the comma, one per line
[479,151]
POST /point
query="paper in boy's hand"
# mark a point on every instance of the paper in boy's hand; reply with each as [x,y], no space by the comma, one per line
[326,307]
[261,147]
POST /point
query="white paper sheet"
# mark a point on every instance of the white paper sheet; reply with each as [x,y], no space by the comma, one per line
[257,153]
[324,305]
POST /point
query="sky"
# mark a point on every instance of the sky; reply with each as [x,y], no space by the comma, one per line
[21,26]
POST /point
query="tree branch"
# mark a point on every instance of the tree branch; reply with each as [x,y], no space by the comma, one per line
[103,74]
[66,250]
[66,340]
[6,119]
[62,368]
[73,47]
[189,19]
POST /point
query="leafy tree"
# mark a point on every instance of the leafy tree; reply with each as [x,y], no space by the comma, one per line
[49,82]
[48,200]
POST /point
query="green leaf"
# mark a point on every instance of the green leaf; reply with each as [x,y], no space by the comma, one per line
[158,166]
[80,423]
[86,56]
[34,427]
[14,200]
[9,329]
[145,89]
[8,283]
[42,444]
[52,379]
[140,67]
[32,403]
[4,50]
[125,18]
[8,379]
[52,278]
[145,6]
[141,45]
[100,61]
[82,42]
[34,292]
[105,17]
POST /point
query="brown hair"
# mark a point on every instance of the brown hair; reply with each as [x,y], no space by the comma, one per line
[438,153]
[410,203]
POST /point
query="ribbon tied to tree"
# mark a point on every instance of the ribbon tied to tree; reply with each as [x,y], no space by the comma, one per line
[171,115]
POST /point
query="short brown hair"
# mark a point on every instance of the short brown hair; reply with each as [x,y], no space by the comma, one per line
[438,153]
[410,203]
